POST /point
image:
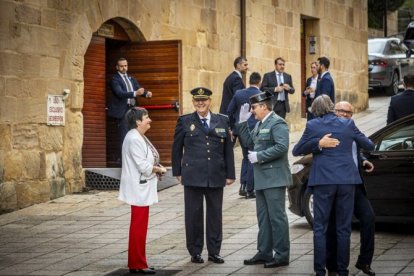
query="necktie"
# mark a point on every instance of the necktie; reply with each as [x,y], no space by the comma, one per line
[281,96]
[205,123]
[129,88]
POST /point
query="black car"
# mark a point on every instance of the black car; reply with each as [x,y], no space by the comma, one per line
[390,187]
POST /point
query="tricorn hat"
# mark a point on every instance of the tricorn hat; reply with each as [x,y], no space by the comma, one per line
[201,93]
[264,96]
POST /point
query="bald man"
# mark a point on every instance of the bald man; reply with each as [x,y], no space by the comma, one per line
[362,207]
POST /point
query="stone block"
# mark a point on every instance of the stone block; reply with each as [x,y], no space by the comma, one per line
[27,14]
[48,18]
[25,136]
[35,112]
[14,87]
[2,87]
[50,138]
[8,197]
[5,134]
[8,109]
[12,168]
[11,64]
[63,21]
[49,67]
[57,188]
[63,5]
[32,192]
[54,165]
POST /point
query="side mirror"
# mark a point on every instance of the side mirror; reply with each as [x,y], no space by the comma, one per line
[409,53]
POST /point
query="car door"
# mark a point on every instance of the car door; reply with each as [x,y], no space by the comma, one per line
[399,58]
[390,187]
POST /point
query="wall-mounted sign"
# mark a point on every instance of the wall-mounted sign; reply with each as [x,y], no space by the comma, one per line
[106,30]
[55,110]
[312,44]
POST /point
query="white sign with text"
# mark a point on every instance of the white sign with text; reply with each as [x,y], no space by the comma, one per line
[55,110]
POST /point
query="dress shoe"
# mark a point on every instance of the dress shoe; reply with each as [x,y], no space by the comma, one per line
[254,261]
[197,259]
[242,192]
[275,263]
[332,273]
[250,195]
[143,271]
[366,269]
[216,259]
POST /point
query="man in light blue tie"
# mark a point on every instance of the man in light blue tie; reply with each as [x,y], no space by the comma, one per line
[280,85]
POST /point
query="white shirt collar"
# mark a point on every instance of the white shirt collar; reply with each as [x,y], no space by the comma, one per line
[238,73]
[267,116]
[324,73]
[208,117]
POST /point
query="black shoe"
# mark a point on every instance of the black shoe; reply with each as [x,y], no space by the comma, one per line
[149,270]
[275,263]
[242,192]
[250,195]
[366,269]
[216,259]
[254,261]
[197,259]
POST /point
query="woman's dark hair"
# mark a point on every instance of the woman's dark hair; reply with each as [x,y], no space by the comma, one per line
[133,115]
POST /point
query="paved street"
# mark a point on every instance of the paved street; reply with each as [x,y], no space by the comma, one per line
[87,234]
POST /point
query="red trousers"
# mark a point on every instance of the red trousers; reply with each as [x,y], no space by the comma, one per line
[138,237]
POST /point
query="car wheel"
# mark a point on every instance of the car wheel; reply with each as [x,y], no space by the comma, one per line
[393,88]
[308,207]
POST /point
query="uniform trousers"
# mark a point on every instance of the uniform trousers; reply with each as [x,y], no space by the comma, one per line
[273,233]
[194,219]
[138,237]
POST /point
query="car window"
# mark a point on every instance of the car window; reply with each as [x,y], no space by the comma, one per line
[376,46]
[400,138]
[395,48]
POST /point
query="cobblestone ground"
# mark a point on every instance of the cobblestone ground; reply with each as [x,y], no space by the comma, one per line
[87,234]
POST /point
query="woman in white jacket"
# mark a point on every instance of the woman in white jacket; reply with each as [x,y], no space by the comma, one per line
[140,168]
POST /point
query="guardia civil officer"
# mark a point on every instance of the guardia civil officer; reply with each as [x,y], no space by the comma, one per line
[203,160]
[270,142]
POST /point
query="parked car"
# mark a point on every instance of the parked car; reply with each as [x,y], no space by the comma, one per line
[409,36]
[390,187]
[389,61]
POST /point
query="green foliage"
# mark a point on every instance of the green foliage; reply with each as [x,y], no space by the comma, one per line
[376,11]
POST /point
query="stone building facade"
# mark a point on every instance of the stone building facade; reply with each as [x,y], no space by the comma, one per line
[42,52]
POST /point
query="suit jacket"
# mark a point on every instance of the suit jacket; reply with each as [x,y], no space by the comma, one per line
[326,86]
[203,158]
[271,142]
[120,95]
[137,163]
[332,165]
[269,83]
[240,98]
[401,105]
[232,83]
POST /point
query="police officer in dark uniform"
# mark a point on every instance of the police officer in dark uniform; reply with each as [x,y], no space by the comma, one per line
[203,161]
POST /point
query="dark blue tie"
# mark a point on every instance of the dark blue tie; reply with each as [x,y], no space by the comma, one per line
[205,123]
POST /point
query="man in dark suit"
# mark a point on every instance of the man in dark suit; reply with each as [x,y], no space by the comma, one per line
[280,84]
[362,207]
[233,82]
[333,177]
[203,161]
[402,104]
[270,142]
[240,98]
[125,90]
[310,89]
[325,84]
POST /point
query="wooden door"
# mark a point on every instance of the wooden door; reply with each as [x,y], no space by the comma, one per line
[156,65]
[94,138]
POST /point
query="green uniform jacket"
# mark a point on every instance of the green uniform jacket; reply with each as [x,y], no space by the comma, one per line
[271,142]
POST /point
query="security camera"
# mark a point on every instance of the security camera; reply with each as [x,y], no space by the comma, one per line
[66,93]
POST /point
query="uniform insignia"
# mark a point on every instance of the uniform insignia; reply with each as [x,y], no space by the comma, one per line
[220,130]
[222,141]
[265,130]
[192,127]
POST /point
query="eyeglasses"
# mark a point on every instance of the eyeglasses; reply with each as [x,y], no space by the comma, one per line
[347,112]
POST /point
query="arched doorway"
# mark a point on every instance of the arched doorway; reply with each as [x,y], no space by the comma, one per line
[156,65]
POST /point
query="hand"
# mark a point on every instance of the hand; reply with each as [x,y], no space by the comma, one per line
[178,178]
[140,91]
[279,89]
[229,181]
[368,166]
[244,114]
[328,142]
[252,156]
[149,94]
[286,86]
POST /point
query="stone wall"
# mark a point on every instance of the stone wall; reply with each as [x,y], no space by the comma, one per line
[42,47]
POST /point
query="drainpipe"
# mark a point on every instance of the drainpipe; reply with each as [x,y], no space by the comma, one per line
[243,31]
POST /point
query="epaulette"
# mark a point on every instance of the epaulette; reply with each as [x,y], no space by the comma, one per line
[184,115]
[224,115]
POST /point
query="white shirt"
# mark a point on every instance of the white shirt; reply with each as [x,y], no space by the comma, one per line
[208,117]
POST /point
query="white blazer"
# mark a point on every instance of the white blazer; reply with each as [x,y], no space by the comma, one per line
[137,163]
